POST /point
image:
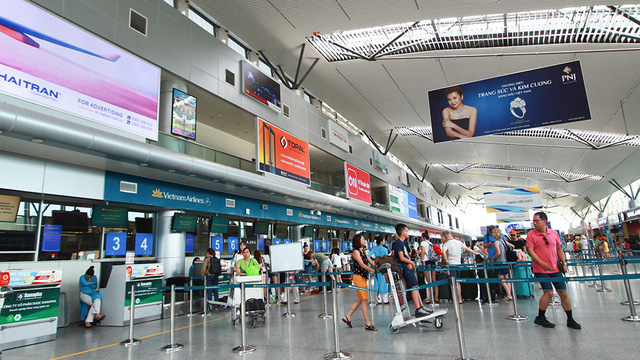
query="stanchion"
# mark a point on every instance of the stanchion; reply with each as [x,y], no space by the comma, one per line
[486,276]
[372,302]
[456,309]
[173,346]
[627,287]
[205,303]
[553,301]
[515,316]
[593,272]
[602,288]
[244,348]
[131,341]
[337,354]
[288,290]
[190,297]
[324,314]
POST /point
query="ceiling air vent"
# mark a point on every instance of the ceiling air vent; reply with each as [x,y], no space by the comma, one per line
[128,187]
[230,77]
[286,111]
[323,133]
[137,22]
[230,203]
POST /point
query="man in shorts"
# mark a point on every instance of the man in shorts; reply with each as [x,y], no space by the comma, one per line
[545,248]
[407,267]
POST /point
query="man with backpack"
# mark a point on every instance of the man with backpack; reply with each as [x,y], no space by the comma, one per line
[211,269]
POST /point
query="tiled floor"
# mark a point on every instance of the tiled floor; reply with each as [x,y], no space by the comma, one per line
[488,334]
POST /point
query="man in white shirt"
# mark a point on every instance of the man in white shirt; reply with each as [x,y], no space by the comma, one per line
[452,255]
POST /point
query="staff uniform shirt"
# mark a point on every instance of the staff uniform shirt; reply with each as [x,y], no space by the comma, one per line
[546,253]
[454,250]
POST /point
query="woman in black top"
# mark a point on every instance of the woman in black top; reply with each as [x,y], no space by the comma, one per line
[360,276]
[459,120]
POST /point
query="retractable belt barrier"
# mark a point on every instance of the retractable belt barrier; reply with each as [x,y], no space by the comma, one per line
[424,286]
[554,279]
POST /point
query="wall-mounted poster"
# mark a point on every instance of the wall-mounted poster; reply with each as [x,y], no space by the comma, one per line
[54,63]
[282,154]
[183,116]
[358,184]
[541,97]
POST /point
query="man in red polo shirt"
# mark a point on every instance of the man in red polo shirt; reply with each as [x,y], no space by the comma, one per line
[545,249]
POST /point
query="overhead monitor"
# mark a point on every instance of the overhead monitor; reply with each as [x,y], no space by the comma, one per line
[109,216]
[144,225]
[71,220]
[183,116]
[184,222]
[219,224]
[261,227]
[323,233]
[309,231]
[281,230]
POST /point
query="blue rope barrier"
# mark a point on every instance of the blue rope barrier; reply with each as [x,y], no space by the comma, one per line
[554,279]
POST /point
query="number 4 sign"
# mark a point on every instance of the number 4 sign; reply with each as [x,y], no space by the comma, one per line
[116,244]
[144,244]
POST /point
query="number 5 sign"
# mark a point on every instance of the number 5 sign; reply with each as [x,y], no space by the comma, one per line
[144,244]
[216,244]
[116,243]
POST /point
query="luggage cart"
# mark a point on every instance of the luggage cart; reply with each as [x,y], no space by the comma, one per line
[254,298]
[402,316]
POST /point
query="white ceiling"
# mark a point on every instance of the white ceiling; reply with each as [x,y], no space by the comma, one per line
[380,95]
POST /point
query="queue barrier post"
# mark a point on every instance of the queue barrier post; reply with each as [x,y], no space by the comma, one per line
[627,287]
[456,309]
[593,272]
[602,288]
[515,316]
[173,346]
[244,348]
[190,296]
[288,314]
[324,314]
[337,354]
[205,302]
[486,276]
[131,341]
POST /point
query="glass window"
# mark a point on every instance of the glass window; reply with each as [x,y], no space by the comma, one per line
[202,21]
[307,97]
[264,67]
[170,2]
[237,47]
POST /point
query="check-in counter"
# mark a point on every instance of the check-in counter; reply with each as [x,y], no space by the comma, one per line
[116,295]
[28,306]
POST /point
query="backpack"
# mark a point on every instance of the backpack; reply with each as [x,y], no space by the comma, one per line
[387,259]
[509,252]
[432,253]
[215,266]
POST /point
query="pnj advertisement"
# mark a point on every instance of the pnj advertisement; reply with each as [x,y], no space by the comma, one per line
[358,184]
[53,63]
[403,202]
[546,96]
[282,154]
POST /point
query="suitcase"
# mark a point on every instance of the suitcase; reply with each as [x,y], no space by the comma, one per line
[483,287]
[421,281]
[254,305]
[523,290]
[469,290]
[444,291]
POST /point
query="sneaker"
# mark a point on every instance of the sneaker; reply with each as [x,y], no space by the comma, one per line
[421,312]
[544,322]
[573,324]
[428,311]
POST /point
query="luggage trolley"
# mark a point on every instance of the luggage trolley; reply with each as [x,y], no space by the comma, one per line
[254,297]
[402,316]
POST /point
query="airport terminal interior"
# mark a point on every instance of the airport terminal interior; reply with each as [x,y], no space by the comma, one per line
[274,179]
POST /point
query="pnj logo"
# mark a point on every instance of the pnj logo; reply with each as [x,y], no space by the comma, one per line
[352,178]
[284,142]
[568,76]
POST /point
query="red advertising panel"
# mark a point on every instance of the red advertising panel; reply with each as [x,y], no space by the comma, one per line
[282,154]
[358,185]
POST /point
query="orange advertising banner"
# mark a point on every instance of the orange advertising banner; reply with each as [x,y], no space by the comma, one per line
[282,154]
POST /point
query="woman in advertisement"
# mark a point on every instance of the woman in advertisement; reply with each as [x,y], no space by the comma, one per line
[459,120]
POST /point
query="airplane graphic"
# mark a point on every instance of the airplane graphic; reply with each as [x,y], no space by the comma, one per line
[23,33]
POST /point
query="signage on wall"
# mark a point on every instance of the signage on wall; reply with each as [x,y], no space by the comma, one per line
[51,238]
[217,243]
[282,154]
[233,244]
[54,63]
[403,202]
[116,244]
[144,244]
[541,97]
[9,208]
[338,136]
[358,184]
[379,161]
[189,242]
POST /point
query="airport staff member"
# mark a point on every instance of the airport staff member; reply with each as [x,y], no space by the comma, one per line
[545,249]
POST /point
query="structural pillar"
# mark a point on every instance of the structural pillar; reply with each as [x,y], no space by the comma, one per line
[171,244]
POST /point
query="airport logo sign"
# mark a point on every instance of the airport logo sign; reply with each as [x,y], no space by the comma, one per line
[358,183]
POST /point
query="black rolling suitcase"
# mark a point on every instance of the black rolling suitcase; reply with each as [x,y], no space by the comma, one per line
[421,281]
[469,290]
[483,288]
[444,291]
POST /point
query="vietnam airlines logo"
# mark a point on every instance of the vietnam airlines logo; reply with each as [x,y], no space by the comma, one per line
[157,193]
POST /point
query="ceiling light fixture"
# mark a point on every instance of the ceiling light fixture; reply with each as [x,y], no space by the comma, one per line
[37,141]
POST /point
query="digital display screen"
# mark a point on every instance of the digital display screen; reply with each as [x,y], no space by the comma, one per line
[183,116]
[281,230]
[260,86]
[309,231]
[184,222]
[261,227]
[219,225]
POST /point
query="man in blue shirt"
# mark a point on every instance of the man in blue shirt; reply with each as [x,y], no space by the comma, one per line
[407,267]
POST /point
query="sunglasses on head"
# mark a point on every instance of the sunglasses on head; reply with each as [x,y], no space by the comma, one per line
[545,240]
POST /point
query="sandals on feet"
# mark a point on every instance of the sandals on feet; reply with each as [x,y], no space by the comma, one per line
[370,327]
[347,321]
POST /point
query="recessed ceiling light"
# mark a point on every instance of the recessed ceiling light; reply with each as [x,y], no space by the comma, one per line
[37,141]
[171,170]
[144,164]
[215,180]
[192,175]
[245,187]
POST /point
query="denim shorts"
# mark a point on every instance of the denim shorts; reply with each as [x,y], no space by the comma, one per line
[409,276]
[546,286]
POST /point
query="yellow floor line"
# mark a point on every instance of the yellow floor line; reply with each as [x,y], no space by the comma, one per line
[143,337]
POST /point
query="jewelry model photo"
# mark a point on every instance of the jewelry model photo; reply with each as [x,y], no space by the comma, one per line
[520,104]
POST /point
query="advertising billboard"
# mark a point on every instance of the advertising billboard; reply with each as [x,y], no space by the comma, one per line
[183,116]
[358,184]
[260,86]
[282,154]
[338,136]
[513,205]
[541,97]
[49,61]
[403,202]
